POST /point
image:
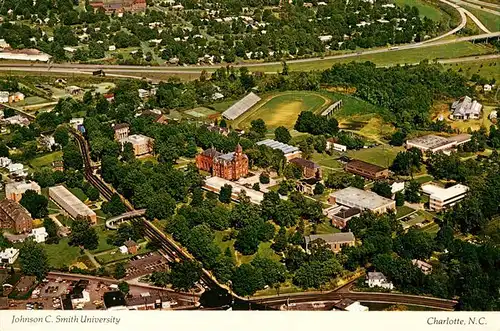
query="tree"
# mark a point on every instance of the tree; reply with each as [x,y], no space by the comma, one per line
[128,153]
[51,228]
[83,234]
[398,138]
[292,171]
[71,157]
[259,127]
[319,188]
[44,177]
[184,275]
[383,189]
[414,244]
[4,150]
[114,206]
[256,186]
[282,134]
[33,260]
[35,203]
[247,280]
[247,241]
[226,193]
[124,287]
[264,178]
[160,278]
[400,199]
[273,272]
[119,271]
[92,193]
[280,240]
[61,136]
[412,191]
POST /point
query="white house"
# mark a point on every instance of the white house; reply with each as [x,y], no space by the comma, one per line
[378,279]
[397,187]
[5,161]
[112,48]
[4,96]
[487,88]
[9,255]
[493,114]
[16,169]
[39,234]
[123,249]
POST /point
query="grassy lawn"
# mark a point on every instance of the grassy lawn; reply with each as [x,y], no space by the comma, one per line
[403,56]
[200,112]
[222,106]
[326,160]
[265,250]
[325,228]
[352,106]
[62,254]
[223,245]
[424,179]
[282,109]
[424,8]
[490,20]
[103,234]
[403,211]
[115,255]
[46,160]
[381,155]
[65,220]
[78,193]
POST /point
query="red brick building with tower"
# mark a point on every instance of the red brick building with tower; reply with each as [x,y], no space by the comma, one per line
[230,166]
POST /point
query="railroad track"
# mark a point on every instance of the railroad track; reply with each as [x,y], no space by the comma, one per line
[168,248]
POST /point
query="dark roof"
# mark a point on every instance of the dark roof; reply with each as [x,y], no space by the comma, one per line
[346,213]
[66,303]
[304,163]
[309,181]
[130,243]
[365,165]
[121,126]
[340,237]
[211,152]
[17,212]
[114,299]
[343,304]
[78,289]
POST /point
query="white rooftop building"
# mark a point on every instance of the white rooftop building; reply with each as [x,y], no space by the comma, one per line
[441,198]
[16,169]
[215,184]
[364,200]
[466,108]
[289,151]
[5,161]
[378,279]
[39,234]
[9,255]
[4,96]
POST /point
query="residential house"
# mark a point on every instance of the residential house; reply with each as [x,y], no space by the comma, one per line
[378,279]
[9,255]
[422,265]
[39,234]
[132,246]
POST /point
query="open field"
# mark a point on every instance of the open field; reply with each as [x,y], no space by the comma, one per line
[490,20]
[404,56]
[424,9]
[264,250]
[327,161]
[200,112]
[485,68]
[282,109]
[381,155]
[403,211]
[325,228]
[45,160]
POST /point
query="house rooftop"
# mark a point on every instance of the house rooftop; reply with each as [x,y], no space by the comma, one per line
[304,163]
[365,165]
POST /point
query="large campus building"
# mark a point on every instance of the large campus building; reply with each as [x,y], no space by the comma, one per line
[364,200]
[230,166]
[367,170]
[441,198]
[290,152]
[119,6]
[465,109]
[141,144]
[433,143]
[15,190]
[14,216]
[336,241]
[71,204]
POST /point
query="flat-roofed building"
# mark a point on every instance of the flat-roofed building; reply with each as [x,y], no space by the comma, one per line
[14,216]
[71,204]
[290,152]
[142,145]
[241,106]
[435,143]
[15,190]
[215,184]
[364,200]
[367,170]
[441,198]
[336,241]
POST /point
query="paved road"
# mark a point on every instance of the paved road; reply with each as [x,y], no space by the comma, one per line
[114,222]
[469,3]
[483,3]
